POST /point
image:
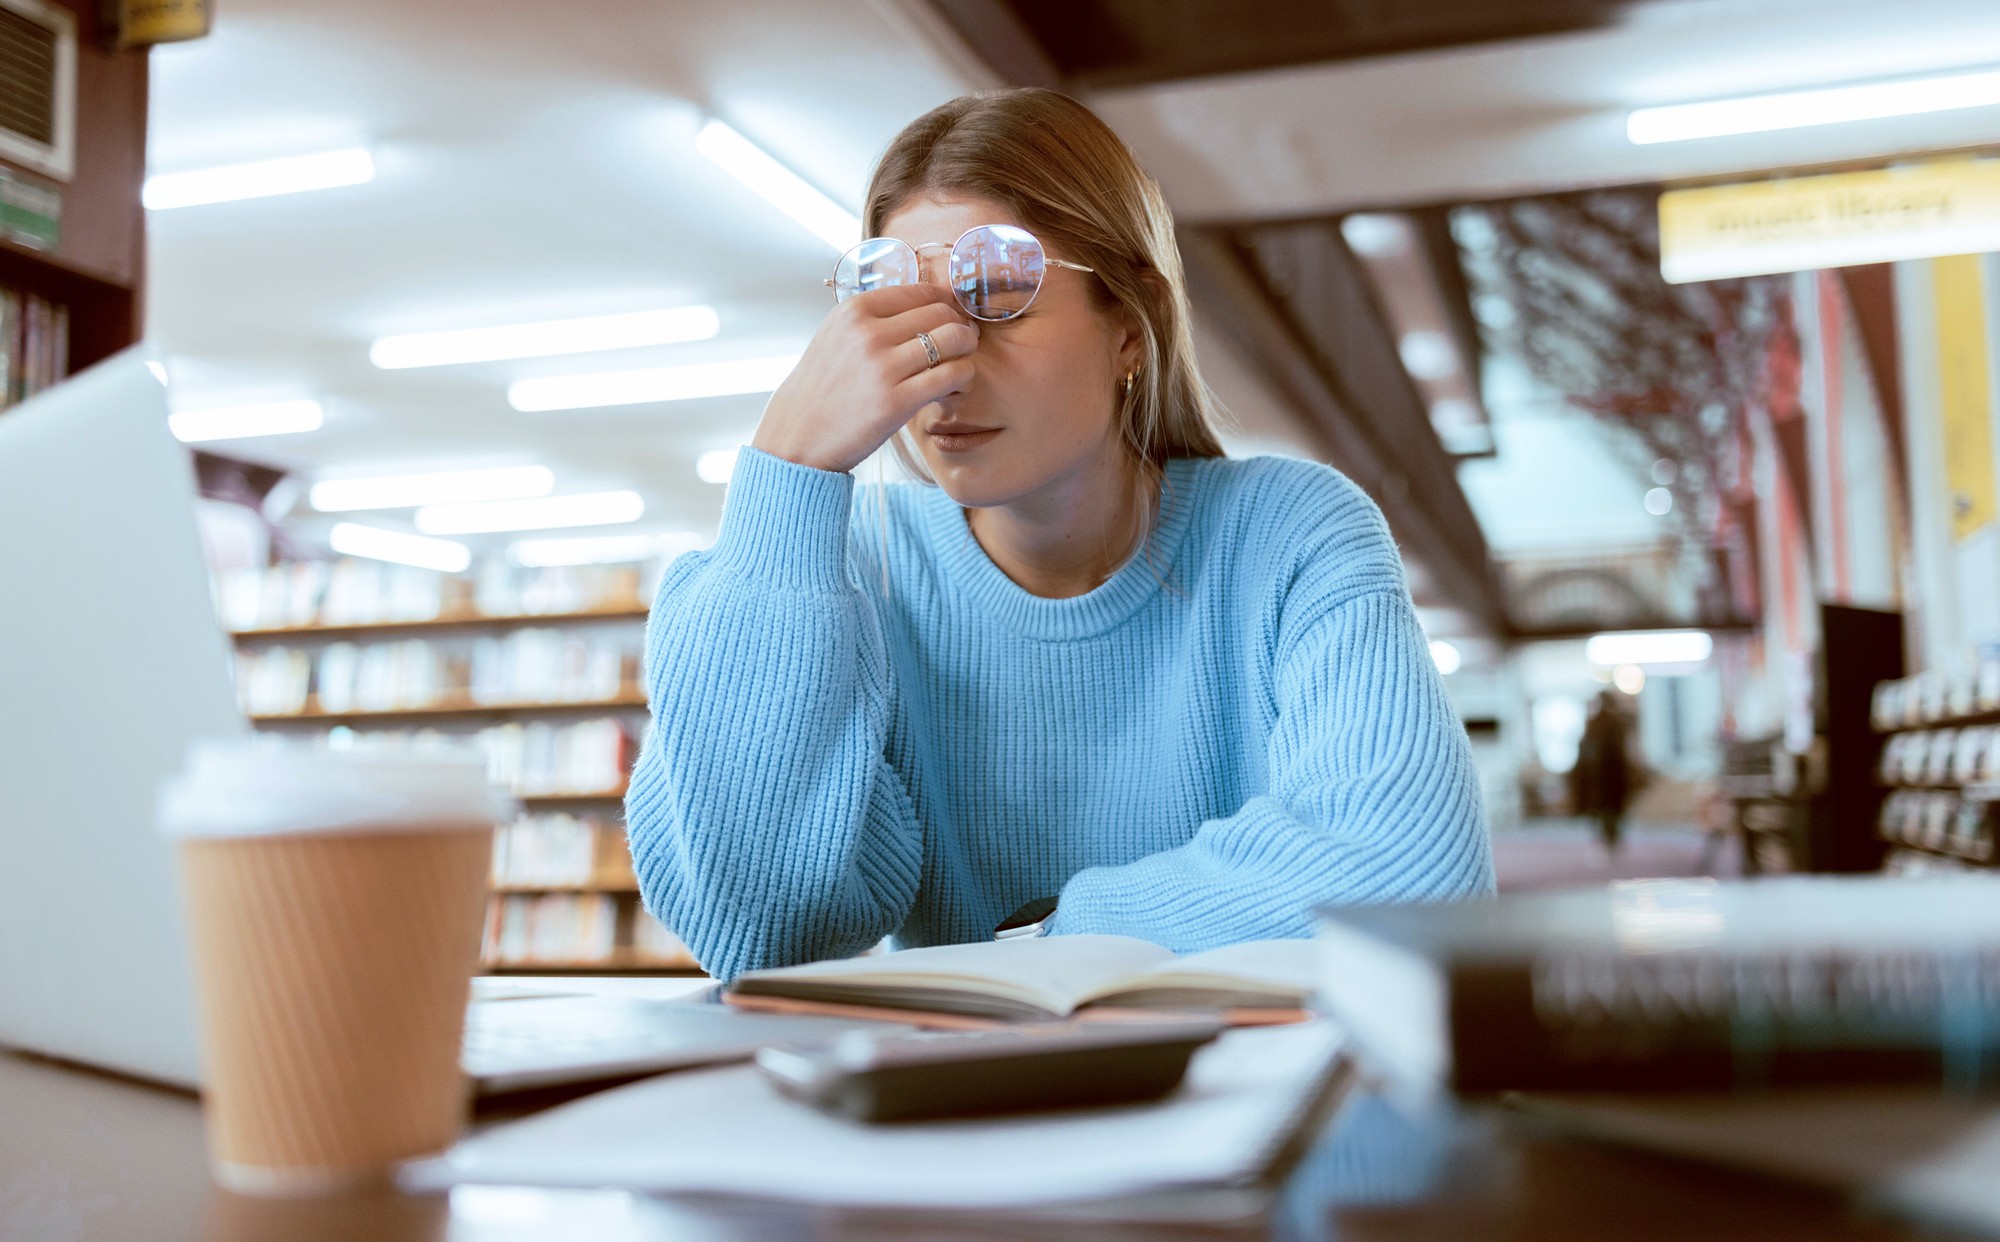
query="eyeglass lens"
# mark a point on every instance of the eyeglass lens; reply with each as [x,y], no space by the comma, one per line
[995,270]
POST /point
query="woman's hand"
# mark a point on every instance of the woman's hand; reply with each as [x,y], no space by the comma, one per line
[865,374]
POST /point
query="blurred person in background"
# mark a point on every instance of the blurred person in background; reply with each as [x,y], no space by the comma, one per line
[1604,767]
[1085,658]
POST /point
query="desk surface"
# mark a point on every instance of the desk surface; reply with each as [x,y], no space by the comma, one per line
[85,1156]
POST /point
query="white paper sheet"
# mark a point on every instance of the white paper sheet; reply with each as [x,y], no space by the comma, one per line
[728,1131]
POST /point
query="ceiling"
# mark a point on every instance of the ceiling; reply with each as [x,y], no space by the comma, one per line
[536,161]
[1544,113]
[1097,44]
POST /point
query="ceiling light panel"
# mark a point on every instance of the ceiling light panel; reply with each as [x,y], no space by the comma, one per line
[444,555]
[240,422]
[407,491]
[708,379]
[716,465]
[778,185]
[545,513]
[602,549]
[1869,101]
[263,179]
[1649,647]
[545,339]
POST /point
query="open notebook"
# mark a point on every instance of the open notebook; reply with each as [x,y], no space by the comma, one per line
[1052,977]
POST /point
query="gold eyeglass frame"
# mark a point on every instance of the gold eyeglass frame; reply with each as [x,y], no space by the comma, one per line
[1048,260]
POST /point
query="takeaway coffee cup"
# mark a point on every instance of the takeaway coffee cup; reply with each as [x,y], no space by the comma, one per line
[334,907]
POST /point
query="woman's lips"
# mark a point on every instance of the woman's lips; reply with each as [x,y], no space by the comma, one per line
[962,441]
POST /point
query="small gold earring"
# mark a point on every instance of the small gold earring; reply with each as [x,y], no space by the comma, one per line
[1131,378]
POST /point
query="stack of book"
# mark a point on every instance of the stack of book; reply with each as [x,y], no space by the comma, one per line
[34,344]
[1678,984]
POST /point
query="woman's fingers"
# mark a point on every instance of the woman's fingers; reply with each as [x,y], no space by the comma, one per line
[933,384]
[928,318]
[952,340]
[893,300]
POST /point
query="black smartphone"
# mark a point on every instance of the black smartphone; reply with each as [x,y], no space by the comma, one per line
[916,1076]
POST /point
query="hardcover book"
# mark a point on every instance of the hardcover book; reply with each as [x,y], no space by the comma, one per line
[1656,984]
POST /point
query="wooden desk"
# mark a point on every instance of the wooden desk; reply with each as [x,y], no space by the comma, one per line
[86,1157]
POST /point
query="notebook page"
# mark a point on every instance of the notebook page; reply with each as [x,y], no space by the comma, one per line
[1288,964]
[1052,972]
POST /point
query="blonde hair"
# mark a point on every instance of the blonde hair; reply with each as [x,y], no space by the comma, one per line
[1071,181]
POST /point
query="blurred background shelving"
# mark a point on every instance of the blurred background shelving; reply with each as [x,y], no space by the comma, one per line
[538,667]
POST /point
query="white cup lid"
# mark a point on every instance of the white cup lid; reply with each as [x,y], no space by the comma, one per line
[240,787]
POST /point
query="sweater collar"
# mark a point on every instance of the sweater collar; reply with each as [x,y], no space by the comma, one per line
[993,593]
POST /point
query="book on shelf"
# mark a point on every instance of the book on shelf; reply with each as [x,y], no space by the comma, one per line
[576,929]
[554,927]
[351,591]
[538,758]
[506,590]
[533,666]
[558,850]
[1916,864]
[535,759]
[1677,984]
[34,344]
[1051,977]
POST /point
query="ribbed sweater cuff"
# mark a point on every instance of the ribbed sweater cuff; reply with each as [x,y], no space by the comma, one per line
[784,523]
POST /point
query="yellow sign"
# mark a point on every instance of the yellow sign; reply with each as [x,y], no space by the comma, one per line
[142,23]
[1965,391]
[1802,224]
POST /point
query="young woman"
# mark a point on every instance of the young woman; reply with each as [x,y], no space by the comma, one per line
[1186,697]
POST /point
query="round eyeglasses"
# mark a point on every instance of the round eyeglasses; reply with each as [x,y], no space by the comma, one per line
[994,270]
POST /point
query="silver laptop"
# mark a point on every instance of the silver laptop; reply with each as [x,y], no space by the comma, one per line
[112,661]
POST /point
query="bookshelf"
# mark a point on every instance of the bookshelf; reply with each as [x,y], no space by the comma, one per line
[460,619]
[79,301]
[451,706]
[1940,765]
[541,667]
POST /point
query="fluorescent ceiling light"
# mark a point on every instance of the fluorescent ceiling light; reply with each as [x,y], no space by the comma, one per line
[1824,106]
[707,379]
[353,539]
[405,491]
[1649,647]
[549,337]
[239,422]
[602,549]
[585,509]
[716,465]
[262,179]
[778,185]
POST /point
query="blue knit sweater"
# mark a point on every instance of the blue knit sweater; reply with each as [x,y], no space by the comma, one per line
[1242,723]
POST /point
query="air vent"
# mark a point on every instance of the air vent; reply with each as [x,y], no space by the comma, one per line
[37,86]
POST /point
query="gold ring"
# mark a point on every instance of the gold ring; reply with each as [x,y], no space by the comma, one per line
[930,349]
